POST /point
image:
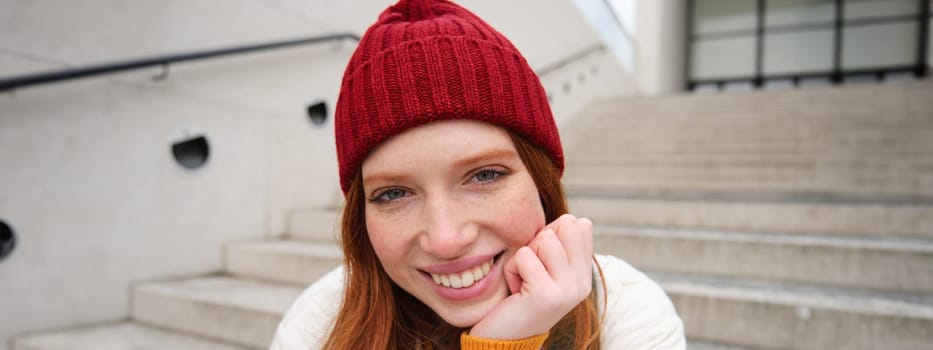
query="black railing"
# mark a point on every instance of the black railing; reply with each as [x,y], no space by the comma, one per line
[163,61]
[835,74]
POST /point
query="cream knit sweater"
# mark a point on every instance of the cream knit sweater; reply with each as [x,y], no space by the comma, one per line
[639,315]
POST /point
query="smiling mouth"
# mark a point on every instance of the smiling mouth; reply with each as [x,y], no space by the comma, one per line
[464,278]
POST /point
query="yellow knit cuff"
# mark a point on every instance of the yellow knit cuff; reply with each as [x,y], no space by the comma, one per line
[468,342]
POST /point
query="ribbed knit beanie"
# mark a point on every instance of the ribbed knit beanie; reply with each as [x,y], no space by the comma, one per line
[429,60]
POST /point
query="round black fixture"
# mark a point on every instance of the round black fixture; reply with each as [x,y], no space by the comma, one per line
[191,153]
[7,240]
[317,113]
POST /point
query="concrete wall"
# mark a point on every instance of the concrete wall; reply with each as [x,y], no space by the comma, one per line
[88,182]
[595,76]
[646,38]
[659,46]
[96,199]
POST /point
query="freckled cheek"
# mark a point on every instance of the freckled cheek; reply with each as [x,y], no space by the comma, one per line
[518,218]
[380,238]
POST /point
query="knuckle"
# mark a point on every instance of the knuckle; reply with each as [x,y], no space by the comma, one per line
[585,223]
[565,218]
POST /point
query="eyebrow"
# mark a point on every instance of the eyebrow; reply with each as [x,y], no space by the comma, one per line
[495,153]
[482,156]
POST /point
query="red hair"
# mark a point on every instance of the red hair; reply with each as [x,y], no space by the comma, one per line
[377,314]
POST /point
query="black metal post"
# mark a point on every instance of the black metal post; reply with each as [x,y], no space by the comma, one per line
[688,46]
[760,44]
[923,37]
[837,44]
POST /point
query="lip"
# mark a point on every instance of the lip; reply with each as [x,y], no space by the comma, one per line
[459,265]
[478,289]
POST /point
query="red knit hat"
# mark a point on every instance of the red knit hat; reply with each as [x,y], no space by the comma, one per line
[429,60]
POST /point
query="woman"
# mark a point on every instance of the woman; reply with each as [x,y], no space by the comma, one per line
[455,232]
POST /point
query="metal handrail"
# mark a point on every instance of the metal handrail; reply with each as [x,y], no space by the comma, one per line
[164,61]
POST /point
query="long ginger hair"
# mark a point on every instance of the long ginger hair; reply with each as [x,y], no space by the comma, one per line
[377,314]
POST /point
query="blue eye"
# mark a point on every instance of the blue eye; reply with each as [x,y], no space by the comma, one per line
[390,195]
[487,175]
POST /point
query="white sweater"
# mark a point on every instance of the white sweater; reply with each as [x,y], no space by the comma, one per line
[639,314]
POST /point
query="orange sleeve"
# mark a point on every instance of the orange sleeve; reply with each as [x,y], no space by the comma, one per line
[468,342]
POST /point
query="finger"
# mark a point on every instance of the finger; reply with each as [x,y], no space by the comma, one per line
[513,278]
[572,234]
[555,225]
[530,269]
[586,227]
[551,252]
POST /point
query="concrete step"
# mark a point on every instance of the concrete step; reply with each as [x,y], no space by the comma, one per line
[700,158]
[242,312]
[761,213]
[644,129]
[856,141]
[883,264]
[288,261]
[772,125]
[117,336]
[780,316]
[890,101]
[623,150]
[314,225]
[857,178]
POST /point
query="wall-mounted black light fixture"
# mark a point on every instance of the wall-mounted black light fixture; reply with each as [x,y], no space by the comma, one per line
[7,240]
[191,153]
[317,113]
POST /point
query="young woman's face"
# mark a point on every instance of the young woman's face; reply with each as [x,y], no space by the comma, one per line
[447,203]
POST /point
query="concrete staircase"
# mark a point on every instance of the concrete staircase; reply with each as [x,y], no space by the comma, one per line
[777,220]
[237,309]
[798,219]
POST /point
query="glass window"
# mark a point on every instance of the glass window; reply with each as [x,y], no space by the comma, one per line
[861,9]
[799,38]
[723,58]
[716,16]
[879,45]
[625,10]
[612,33]
[799,12]
[799,52]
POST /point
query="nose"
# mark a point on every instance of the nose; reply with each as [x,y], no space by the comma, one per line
[448,232]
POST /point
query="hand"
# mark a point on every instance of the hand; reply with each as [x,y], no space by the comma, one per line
[547,278]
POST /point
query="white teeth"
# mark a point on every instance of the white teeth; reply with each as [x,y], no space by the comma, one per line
[463,279]
[467,278]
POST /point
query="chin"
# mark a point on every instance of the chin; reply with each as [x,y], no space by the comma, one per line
[467,315]
[463,318]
